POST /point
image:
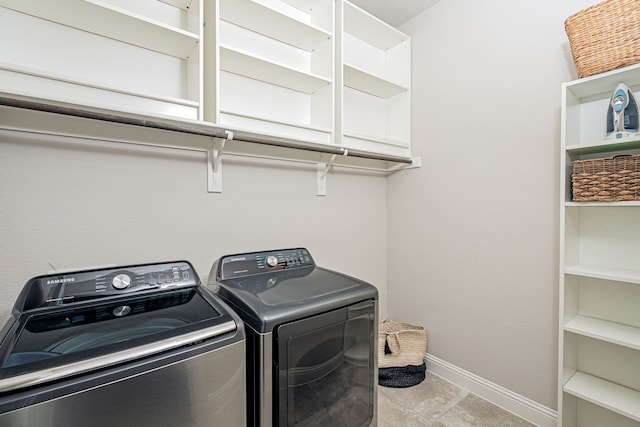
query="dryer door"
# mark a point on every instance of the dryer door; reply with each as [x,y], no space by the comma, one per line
[326,369]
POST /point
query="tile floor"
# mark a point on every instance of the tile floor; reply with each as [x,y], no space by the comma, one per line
[438,403]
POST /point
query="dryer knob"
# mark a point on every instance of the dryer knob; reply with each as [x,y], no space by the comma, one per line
[272,261]
[121,281]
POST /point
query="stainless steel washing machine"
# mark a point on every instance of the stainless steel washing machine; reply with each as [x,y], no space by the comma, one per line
[311,339]
[141,345]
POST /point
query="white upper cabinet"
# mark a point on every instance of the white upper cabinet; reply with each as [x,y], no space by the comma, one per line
[320,72]
[374,110]
[132,55]
[276,61]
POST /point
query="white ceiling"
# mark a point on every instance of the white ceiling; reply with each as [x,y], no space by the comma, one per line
[394,12]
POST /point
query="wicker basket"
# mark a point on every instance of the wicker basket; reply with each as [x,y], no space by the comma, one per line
[401,344]
[611,179]
[605,36]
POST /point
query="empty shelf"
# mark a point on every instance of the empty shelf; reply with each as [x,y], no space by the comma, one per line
[368,83]
[613,397]
[616,333]
[250,66]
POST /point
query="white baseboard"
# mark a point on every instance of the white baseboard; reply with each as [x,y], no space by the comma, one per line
[517,404]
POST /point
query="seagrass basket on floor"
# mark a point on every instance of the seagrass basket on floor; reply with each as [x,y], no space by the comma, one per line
[609,179]
[402,348]
[605,36]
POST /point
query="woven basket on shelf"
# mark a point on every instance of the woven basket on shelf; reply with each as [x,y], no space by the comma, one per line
[611,179]
[605,36]
[401,344]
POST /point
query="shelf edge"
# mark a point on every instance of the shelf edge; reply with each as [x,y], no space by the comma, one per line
[606,273]
[616,398]
[603,330]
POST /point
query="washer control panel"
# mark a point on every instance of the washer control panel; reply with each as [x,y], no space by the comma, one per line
[240,265]
[56,289]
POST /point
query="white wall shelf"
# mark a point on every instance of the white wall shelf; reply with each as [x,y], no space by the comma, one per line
[365,26]
[599,336]
[101,18]
[271,23]
[602,85]
[598,146]
[604,204]
[603,393]
[376,140]
[614,333]
[256,68]
[77,85]
[607,273]
[368,83]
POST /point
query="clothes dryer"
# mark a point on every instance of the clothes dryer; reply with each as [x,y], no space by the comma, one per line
[311,338]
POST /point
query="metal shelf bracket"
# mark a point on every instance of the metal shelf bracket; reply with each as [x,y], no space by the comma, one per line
[214,162]
[323,168]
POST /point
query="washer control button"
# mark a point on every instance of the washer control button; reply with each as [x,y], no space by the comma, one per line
[122,310]
[121,281]
[272,261]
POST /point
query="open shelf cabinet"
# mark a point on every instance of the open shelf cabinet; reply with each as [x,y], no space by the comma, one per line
[599,320]
[276,61]
[374,83]
[139,55]
[270,71]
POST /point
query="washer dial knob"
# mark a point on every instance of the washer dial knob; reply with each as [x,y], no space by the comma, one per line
[122,310]
[272,261]
[121,281]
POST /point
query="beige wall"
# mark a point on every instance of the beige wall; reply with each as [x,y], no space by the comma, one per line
[473,233]
[73,204]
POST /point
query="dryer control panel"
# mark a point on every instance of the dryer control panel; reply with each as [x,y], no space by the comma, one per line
[64,288]
[240,265]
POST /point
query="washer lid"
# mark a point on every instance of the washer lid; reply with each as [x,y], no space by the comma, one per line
[47,346]
[267,300]
[56,339]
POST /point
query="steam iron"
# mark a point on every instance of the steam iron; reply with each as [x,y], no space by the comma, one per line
[622,114]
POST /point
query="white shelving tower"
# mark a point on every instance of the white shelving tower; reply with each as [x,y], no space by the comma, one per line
[599,320]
